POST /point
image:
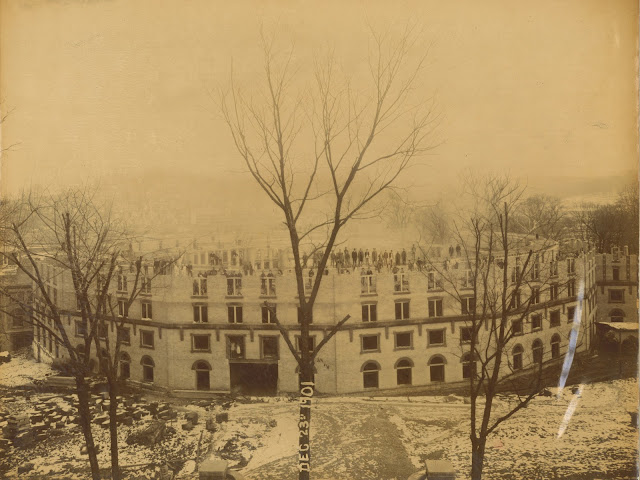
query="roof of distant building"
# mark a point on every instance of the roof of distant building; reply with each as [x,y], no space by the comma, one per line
[621,326]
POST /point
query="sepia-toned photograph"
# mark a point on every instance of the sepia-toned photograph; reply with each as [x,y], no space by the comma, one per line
[280,240]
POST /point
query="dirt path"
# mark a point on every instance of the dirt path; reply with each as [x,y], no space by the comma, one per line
[348,444]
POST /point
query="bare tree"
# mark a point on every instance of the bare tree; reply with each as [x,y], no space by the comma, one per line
[498,277]
[126,278]
[113,313]
[323,157]
[628,204]
[399,212]
[600,225]
[604,226]
[540,215]
[56,239]
[433,223]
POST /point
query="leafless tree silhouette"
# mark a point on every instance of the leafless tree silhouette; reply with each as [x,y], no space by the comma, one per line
[71,243]
[498,277]
[325,156]
[48,237]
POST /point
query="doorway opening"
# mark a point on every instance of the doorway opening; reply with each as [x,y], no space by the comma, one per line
[254,378]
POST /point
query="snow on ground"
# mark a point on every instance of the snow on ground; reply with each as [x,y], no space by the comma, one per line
[389,438]
[280,442]
[60,454]
[599,441]
[22,370]
[369,438]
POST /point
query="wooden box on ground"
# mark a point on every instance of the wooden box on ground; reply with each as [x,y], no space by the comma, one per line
[213,469]
[440,470]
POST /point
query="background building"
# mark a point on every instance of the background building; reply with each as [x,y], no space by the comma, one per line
[617,299]
[207,327]
[617,282]
[15,330]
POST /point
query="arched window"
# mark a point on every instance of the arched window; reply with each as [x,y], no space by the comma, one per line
[370,374]
[147,368]
[201,365]
[555,346]
[403,368]
[537,350]
[436,368]
[616,315]
[202,369]
[125,366]
[468,365]
[517,357]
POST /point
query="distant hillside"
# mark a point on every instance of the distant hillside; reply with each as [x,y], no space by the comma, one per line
[186,201]
[582,188]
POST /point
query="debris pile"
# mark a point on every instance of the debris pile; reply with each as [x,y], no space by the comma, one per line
[41,432]
[47,414]
[191,420]
[129,410]
[150,435]
[19,431]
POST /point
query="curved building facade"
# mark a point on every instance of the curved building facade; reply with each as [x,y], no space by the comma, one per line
[205,326]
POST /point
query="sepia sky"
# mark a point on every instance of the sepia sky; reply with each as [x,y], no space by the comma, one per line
[545,90]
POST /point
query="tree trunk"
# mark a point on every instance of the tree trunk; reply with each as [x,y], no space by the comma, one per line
[304,423]
[85,423]
[477,458]
[113,428]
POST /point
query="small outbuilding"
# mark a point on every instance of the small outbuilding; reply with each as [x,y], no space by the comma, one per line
[621,332]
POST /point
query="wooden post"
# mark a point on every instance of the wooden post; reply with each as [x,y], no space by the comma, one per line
[304,456]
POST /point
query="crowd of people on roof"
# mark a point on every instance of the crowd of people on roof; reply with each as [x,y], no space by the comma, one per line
[346,261]
[343,260]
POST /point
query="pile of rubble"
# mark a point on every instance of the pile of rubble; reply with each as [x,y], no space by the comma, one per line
[49,413]
[130,409]
[211,424]
[151,432]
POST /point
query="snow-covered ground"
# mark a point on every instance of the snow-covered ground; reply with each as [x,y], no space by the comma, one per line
[371,438]
[542,441]
[389,438]
[22,370]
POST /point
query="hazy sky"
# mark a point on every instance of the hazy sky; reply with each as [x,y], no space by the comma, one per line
[115,87]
